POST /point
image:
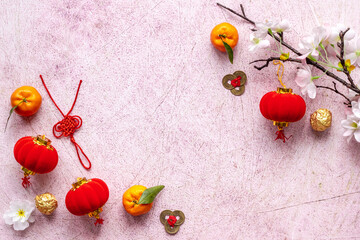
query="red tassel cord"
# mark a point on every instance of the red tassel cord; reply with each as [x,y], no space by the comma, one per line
[172,220]
[280,135]
[26,181]
[99,221]
[68,125]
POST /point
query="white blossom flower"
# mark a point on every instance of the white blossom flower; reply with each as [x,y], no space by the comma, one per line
[309,44]
[19,214]
[262,29]
[283,26]
[352,126]
[257,42]
[353,51]
[334,32]
[306,81]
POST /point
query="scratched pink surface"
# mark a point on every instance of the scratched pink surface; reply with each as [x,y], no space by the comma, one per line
[155,112]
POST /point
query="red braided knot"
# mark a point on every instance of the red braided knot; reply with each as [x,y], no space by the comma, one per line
[172,220]
[68,125]
[236,82]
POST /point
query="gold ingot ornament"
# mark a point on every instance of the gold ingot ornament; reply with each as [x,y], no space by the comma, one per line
[321,119]
[46,203]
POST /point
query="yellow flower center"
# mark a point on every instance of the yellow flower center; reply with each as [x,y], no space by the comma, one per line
[354,125]
[21,213]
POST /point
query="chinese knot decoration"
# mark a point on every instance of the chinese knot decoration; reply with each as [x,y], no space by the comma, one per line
[282,107]
[69,125]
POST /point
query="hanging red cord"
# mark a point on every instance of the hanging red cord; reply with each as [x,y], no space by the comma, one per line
[99,221]
[26,181]
[68,125]
[281,135]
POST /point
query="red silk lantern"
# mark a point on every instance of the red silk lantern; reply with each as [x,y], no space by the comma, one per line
[282,107]
[87,197]
[35,155]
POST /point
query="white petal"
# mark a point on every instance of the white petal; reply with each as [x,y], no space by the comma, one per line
[356,112]
[348,132]
[304,56]
[320,33]
[357,62]
[16,205]
[346,123]
[352,57]
[31,219]
[357,135]
[349,35]
[260,34]
[311,89]
[264,43]
[315,53]
[303,77]
[8,219]
[19,226]
[303,91]
[252,47]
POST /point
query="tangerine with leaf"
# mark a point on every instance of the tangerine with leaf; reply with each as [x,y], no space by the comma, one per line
[224,37]
[138,199]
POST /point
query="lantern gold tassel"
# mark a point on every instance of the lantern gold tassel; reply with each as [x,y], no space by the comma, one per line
[281,65]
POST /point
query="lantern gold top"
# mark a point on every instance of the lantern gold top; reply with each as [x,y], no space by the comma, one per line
[284,90]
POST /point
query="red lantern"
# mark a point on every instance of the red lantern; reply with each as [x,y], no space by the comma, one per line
[87,197]
[282,107]
[35,155]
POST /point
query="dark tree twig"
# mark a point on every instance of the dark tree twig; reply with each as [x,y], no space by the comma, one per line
[270,59]
[348,103]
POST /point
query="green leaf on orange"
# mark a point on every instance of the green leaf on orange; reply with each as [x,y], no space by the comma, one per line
[229,51]
[149,194]
[12,110]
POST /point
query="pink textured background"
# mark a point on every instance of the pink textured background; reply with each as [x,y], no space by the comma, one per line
[155,112]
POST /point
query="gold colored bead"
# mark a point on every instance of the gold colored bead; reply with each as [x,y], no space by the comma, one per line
[46,203]
[321,119]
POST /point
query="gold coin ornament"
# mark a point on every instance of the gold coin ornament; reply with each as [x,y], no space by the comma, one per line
[46,203]
[172,220]
[321,119]
[235,82]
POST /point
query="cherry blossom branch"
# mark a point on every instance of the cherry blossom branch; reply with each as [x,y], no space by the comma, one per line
[308,61]
[341,45]
[348,103]
[253,23]
[350,85]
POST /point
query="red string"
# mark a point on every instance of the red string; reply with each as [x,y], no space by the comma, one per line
[236,82]
[68,125]
[26,181]
[281,136]
[172,220]
[99,221]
